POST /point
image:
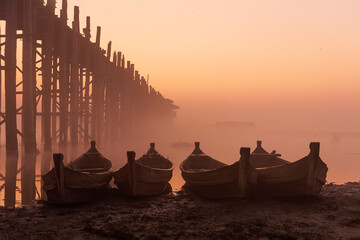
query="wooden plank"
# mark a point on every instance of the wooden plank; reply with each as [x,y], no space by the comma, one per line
[314,158]
[243,171]
[10,103]
[60,175]
[132,171]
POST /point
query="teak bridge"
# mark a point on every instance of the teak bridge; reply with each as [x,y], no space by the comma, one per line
[80,91]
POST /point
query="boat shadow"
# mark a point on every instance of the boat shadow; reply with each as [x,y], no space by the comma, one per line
[253,197]
[104,195]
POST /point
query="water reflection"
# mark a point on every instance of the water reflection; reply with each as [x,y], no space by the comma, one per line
[342,157]
[18,193]
[11,173]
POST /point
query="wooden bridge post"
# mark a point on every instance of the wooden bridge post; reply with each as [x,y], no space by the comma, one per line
[1,80]
[118,89]
[81,109]
[10,103]
[47,44]
[151,103]
[123,99]
[136,99]
[101,106]
[54,100]
[109,101]
[74,84]
[63,78]
[113,99]
[95,86]
[139,110]
[130,115]
[107,90]
[29,105]
[87,32]
[144,104]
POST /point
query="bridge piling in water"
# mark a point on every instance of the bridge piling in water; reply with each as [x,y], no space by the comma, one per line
[79,91]
[10,102]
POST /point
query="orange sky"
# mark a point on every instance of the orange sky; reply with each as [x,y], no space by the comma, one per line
[289,64]
[292,59]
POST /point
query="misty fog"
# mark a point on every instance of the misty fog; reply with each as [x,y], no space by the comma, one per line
[222,141]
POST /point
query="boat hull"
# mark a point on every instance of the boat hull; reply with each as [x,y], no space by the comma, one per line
[218,183]
[147,181]
[78,186]
[292,179]
[76,195]
[142,188]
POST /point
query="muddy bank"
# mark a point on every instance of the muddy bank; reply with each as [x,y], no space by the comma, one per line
[333,215]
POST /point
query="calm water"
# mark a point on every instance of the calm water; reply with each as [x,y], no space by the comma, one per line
[340,152]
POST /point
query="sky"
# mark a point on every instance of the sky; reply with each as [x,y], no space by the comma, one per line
[284,65]
[281,64]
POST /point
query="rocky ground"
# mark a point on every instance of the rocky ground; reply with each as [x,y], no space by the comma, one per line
[333,215]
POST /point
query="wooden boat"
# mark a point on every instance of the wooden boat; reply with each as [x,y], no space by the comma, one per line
[260,158]
[81,181]
[214,179]
[146,176]
[303,177]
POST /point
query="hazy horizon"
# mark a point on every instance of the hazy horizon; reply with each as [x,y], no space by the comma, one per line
[283,65]
[290,65]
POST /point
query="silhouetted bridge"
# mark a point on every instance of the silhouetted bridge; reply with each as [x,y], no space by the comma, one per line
[79,90]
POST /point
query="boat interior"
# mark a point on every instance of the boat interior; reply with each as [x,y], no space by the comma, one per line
[91,161]
[198,161]
[154,160]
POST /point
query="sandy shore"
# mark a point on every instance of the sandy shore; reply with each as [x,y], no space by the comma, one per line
[333,215]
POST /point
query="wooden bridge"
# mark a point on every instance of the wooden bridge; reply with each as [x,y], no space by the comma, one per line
[79,90]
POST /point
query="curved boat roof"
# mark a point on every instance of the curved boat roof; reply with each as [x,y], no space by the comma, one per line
[152,151]
[260,158]
[259,148]
[91,159]
[154,159]
[199,160]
